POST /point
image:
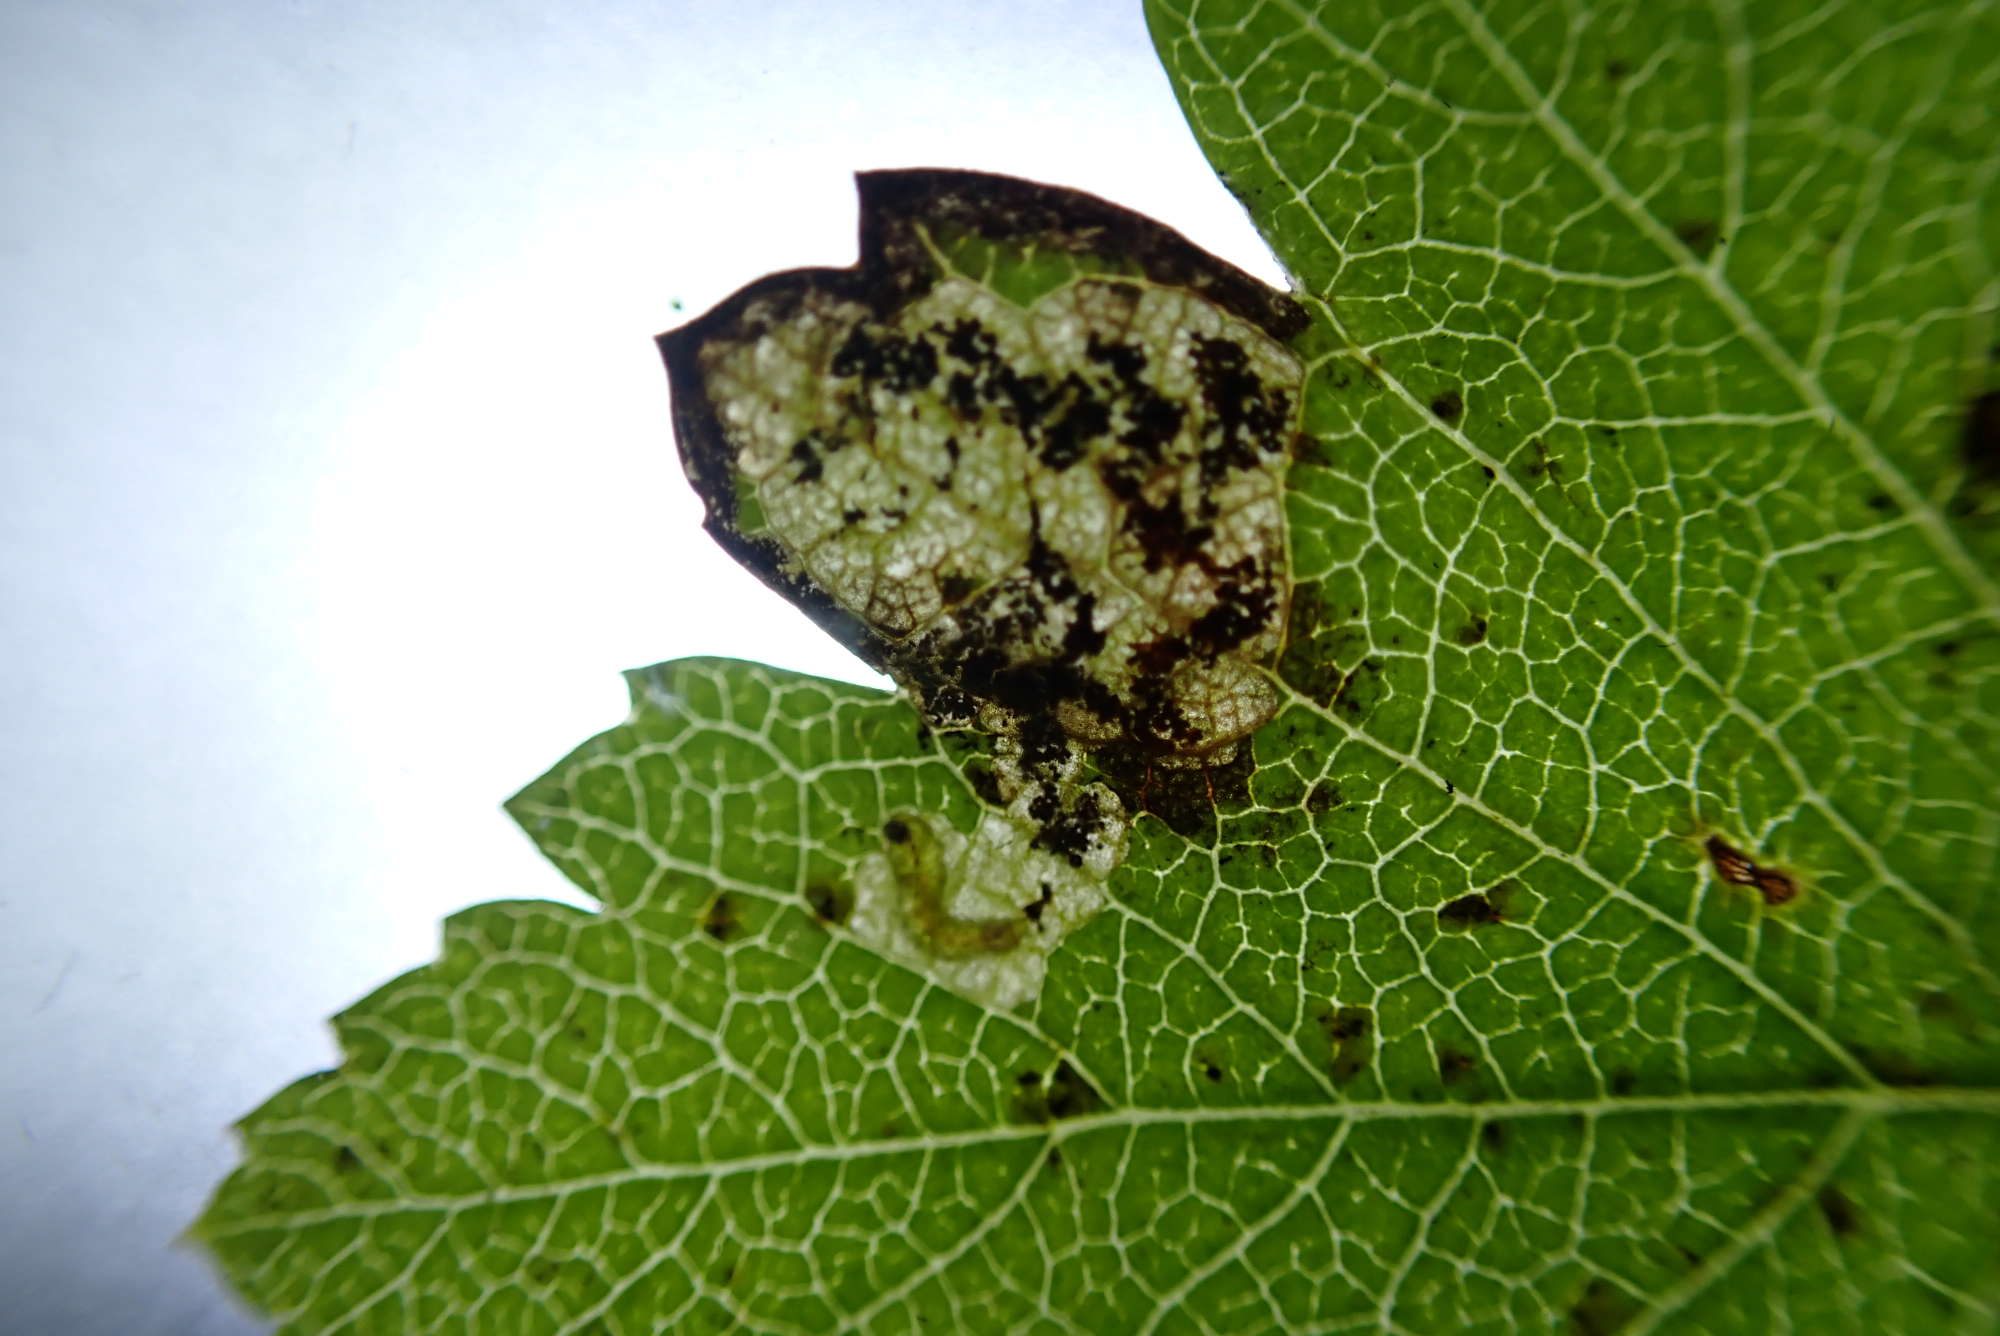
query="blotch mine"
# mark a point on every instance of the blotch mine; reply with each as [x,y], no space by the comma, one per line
[917,860]
[1028,458]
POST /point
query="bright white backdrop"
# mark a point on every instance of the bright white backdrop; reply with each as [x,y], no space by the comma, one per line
[339,486]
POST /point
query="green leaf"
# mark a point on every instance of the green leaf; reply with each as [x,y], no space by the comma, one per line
[1599,936]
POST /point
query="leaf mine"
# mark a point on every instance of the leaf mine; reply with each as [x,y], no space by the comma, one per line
[1028,458]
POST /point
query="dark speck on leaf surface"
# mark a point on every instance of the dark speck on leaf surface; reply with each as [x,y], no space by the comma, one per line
[1602,1308]
[1979,440]
[1469,911]
[721,921]
[1838,1209]
[1323,797]
[829,904]
[1065,1094]
[1352,1030]
[1698,234]
[1033,909]
[1448,406]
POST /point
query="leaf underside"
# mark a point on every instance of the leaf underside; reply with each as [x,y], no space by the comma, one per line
[1600,936]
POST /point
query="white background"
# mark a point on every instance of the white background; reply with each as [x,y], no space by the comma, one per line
[339,486]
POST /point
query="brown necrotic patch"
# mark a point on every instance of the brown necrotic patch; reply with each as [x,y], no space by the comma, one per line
[1101,542]
[1069,509]
[1476,910]
[1028,458]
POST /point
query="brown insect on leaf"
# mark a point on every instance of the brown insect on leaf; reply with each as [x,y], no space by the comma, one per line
[1737,868]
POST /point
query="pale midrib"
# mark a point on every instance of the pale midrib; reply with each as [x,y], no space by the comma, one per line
[1759,1230]
[1880,1102]
[1865,849]
[1238,1247]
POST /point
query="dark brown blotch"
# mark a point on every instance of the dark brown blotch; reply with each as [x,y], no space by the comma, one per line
[1448,406]
[1979,437]
[1839,1211]
[1352,1033]
[721,920]
[1065,1093]
[806,455]
[955,587]
[985,781]
[1324,797]
[1601,1309]
[1187,798]
[1032,911]
[830,903]
[1698,235]
[1476,910]
[1454,1065]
